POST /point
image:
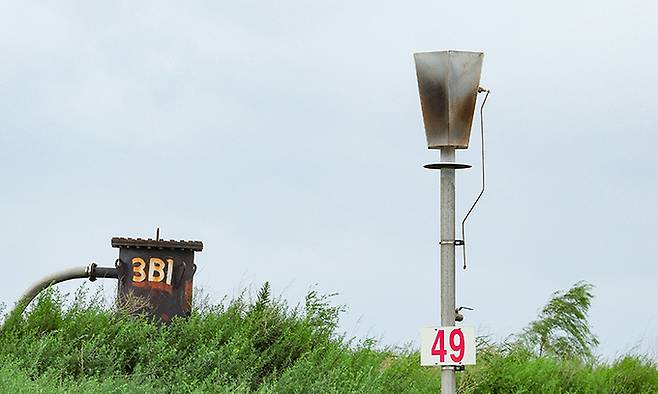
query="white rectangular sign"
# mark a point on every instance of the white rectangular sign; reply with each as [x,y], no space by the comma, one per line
[447,346]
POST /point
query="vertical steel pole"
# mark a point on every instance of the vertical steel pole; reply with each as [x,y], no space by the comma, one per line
[448,382]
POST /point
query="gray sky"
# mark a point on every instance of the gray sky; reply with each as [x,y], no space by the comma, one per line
[288,137]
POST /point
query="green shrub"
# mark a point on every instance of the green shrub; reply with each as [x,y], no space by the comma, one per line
[562,329]
[265,346]
[241,345]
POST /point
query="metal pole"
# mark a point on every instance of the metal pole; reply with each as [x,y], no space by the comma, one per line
[448,382]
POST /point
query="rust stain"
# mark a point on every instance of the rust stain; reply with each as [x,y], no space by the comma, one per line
[188,296]
[154,286]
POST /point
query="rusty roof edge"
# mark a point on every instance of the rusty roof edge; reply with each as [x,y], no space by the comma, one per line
[119,242]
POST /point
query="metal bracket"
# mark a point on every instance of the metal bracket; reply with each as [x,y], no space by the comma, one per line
[179,276]
[120,273]
[457,242]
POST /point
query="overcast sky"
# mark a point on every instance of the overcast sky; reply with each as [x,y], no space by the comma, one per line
[287,136]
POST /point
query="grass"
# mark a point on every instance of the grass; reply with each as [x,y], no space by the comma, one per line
[263,345]
[514,369]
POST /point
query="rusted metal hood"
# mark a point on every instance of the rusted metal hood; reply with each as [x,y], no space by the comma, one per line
[448,84]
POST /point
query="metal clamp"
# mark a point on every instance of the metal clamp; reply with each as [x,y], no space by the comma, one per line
[456,368]
[457,242]
[91,271]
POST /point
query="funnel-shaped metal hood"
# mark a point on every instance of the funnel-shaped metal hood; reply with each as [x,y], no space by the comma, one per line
[448,84]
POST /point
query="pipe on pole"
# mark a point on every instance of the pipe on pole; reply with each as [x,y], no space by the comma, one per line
[448,381]
[91,272]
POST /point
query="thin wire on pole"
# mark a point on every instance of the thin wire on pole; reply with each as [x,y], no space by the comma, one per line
[483,178]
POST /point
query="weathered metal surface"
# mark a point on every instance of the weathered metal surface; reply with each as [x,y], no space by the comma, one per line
[447,270]
[118,242]
[156,276]
[448,84]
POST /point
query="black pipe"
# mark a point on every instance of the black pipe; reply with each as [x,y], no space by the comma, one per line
[91,272]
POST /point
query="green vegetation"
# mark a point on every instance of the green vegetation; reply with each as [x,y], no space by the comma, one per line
[262,345]
[562,329]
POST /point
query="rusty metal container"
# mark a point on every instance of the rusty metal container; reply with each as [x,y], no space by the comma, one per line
[156,276]
[448,85]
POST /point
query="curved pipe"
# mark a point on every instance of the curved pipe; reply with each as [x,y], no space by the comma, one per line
[90,272]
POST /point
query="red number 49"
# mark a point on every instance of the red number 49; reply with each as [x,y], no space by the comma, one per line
[457,349]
